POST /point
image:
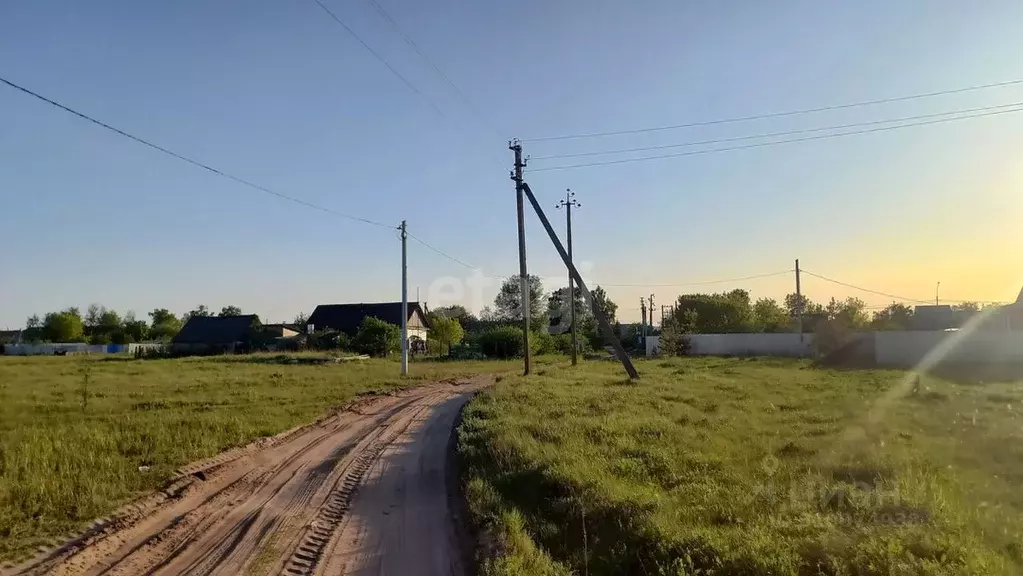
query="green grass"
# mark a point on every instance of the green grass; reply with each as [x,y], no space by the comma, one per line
[744,467]
[70,452]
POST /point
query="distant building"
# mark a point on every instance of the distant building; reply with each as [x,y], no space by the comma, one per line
[282,330]
[217,334]
[348,317]
[935,317]
[10,337]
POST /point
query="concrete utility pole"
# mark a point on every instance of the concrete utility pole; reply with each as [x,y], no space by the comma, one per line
[602,321]
[799,303]
[567,203]
[516,147]
[650,307]
[642,308]
[936,288]
[404,299]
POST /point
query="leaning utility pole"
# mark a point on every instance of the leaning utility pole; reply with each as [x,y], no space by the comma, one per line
[567,203]
[404,298]
[598,313]
[799,303]
[516,147]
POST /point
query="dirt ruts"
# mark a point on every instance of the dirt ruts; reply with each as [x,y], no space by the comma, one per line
[361,492]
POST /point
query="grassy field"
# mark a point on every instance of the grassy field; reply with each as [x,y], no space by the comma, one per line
[75,430]
[745,467]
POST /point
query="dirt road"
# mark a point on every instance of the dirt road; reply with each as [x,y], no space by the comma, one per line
[363,492]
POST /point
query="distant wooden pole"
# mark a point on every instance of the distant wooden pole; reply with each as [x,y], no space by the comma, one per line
[799,303]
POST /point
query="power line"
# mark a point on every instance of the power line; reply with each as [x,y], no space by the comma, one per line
[702,283]
[775,142]
[189,160]
[777,114]
[776,134]
[833,281]
[378,56]
[415,48]
[452,258]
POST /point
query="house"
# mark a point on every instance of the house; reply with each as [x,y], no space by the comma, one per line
[10,337]
[217,334]
[282,330]
[348,317]
[935,317]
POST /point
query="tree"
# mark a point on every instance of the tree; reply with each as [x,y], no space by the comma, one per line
[850,312]
[487,314]
[508,302]
[770,317]
[64,326]
[230,311]
[377,337]
[895,316]
[33,329]
[301,320]
[560,310]
[810,308]
[604,304]
[447,331]
[134,330]
[201,311]
[92,316]
[718,313]
[966,307]
[165,324]
[674,340]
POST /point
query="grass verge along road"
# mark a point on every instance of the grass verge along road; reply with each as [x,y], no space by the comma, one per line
[744,467]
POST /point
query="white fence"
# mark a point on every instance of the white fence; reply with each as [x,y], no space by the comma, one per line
[907,349]
[761,344]
[74,348]
[890,349]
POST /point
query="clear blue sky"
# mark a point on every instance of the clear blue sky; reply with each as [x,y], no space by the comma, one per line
[277,93]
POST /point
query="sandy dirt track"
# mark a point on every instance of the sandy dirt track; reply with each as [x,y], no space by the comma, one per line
[365,491]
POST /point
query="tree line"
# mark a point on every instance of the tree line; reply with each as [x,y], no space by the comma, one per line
[102,325]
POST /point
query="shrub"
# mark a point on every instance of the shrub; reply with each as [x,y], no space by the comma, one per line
[542,343]
[673,341]
[501,342]
[466,352]
[377,338]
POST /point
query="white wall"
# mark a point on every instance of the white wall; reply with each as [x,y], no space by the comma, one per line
[908,349]
[49,349]
[759,344]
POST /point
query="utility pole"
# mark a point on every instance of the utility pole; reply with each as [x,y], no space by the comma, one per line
[602,321]
[642,307]
[567,203]
[651,309]
[516,147]
[404,299]
[936,288]
[799,303]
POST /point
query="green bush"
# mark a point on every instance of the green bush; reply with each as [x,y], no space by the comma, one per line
[501,342]
[377,338]
[542,343]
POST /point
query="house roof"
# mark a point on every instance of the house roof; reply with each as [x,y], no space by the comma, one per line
[1019,299]
[216,329]
[348,317]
